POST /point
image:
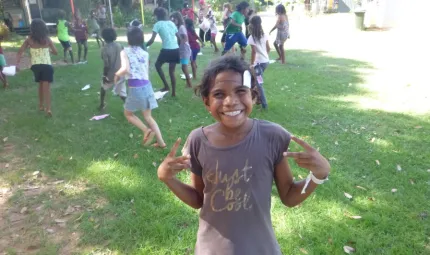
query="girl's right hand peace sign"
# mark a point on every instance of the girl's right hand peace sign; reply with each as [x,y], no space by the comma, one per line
[172,164]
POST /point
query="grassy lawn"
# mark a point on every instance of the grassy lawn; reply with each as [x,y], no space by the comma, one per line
[111,201]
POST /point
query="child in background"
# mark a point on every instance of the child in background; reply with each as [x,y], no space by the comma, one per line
[233,165]
[184,46]
[213,29]
[194,45]
[188,13]
[138,24]
[63,35]
[247,18]
[225,21]
[170,48]
[260,49]
[4,32]
[41,47]
[81,35]
[135,67]
[234,29]
[283,34]
[94,28]
[111,52]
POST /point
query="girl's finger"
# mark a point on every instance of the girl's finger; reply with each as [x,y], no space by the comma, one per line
[179,167]
[175,148]
[297,155]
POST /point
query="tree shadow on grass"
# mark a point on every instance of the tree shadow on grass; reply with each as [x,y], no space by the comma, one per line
[144,217]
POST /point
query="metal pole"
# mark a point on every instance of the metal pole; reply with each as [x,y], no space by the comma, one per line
[72,6]
[111,14]
[143,15]
[169,8]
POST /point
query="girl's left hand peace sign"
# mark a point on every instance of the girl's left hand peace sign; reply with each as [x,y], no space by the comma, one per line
[310,159]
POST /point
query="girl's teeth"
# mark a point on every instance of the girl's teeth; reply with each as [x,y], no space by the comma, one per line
[232,113]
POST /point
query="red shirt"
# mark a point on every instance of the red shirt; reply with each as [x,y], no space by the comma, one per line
[81,31]
[189,13]
[192,40]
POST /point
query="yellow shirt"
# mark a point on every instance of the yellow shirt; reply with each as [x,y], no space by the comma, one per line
[40,56]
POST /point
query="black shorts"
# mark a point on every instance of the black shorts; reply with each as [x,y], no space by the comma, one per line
[168,56]
[223,38]
[43,73]
[65,44]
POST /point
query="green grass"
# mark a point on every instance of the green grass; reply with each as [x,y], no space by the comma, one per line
[131,212]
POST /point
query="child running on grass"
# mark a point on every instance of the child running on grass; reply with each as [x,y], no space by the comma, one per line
[213,29]
[81,35]
[41,47]
[233,165]
[225,20]
[260,49]
[234,29]
[4,32]
[194,45]
[184,46]
[63,35]
[111,55]
[283,34]
[135,67]
[94,28]
[170,48]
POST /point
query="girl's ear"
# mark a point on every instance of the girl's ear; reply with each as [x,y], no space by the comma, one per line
[206,101]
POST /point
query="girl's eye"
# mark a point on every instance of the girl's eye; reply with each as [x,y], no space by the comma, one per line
[218,95]
[241,91]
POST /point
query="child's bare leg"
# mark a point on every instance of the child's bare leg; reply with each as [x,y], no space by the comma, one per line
[187,75]
[85,50]
[41,99]
[133,119]
[214,44]
[194,69]
[282,51]
[277,50]
[102,99]
[242,52]
[71,54]
[154,127]
[79,51]
[172,67]
[47,97]
[3,78]
[160,72]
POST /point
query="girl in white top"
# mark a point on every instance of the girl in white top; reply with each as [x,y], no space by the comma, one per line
[260,49]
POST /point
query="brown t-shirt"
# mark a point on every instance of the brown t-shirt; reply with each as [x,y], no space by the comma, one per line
[235,217]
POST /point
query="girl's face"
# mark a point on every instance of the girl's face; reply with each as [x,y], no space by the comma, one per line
[245,11]
[229,101]
[174,21]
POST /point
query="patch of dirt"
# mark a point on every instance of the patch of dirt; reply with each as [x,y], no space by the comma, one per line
[36,216]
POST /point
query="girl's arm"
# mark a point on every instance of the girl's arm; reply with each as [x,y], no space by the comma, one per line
[253,54]
[290,191]
[267,46]
[125,66]
[21,50]
[276,25]
[52,48]
[151,41]
[192,194]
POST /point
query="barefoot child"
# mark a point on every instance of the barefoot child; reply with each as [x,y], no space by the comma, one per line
[4,31]
[63,35]
[234,29]
[94,28]
[111,52]
[260,49]
[194,45]
[213,29]
[184,46]
[283,34]
[41,47]
[135,67]
[81,35]
[225,20]
[233,165]
[170,48]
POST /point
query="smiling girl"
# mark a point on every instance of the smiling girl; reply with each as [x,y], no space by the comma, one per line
[233,165]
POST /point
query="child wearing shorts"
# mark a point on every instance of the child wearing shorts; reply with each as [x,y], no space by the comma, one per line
[63,35]
[141,97]
[234,29]
[94,28]
[41,47]
[194,45]
[81,36]
[2,63]
[111,52]
[184,46]
[170,47]
[213,29]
